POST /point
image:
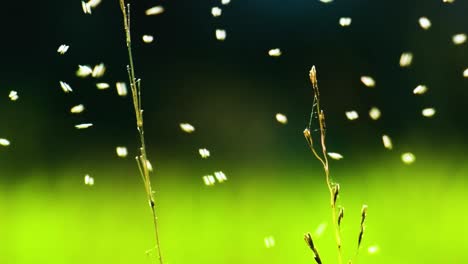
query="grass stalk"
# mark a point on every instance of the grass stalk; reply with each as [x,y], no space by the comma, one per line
[141,159]
[333,188]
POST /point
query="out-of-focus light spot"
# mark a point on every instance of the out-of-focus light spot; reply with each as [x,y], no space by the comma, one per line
[187,128]
[345,21]
[320,229]
[121,151]
[204,153]
[274,52]
[352,115]
[220,176]
[149,166]
[281,118]
[216,11]
[374,113]
[63,49]
[121,88]
[373,249]
[269,241]
[102,86]
[459,39]
[98,70]
[335,156]
[209,180]
[65,87]
[77,109]
[368,81]
[155,10]
[83,126]
[420,89]
[84,71]
[424,23]
[4,142]
[88,180]
[428,112]
[220,34]
[387,142]
[408,158]
[406,59]
[13,95]
[147,38]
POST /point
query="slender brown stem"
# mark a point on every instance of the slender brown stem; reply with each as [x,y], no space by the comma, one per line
[141,159]
[332,188]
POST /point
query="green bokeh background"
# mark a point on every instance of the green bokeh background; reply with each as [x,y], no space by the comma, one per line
[230,91]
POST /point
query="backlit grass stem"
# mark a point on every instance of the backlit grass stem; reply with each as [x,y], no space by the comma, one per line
[333,188]
[141,159]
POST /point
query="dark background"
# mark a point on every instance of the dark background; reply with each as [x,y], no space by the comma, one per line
[231,90]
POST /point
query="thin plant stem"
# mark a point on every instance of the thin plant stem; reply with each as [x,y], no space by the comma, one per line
[141,159]
[332,187]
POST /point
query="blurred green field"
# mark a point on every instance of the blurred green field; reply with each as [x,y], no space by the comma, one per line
[417,214]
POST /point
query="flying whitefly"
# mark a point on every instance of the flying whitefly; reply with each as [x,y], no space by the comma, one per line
[225,2]
[94,3]
[86,7]
[320,229]
[465,73]
[428,112]
[406,59]
[368,81]
[4,142]
[335,156]
[204,153]
[155,10]
[373,249]
[448,1]
[281,118]
[13,95]
[121,151]
[220,176]
[269,241]
[408,158]
[216,11]
[352,115]
[220,34]
[420,89]
[425,23]
[374,113]
[102,86]
[387,142]
[62,49]
[345,21]
[326,1]
[98,70]
[77,109]
[65,87]
[147,38]
[209,180]
[187,128]
[274,52]
[121,88]
[83,126]
[149,166]
[459,39]
[84,71]
[88,180]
